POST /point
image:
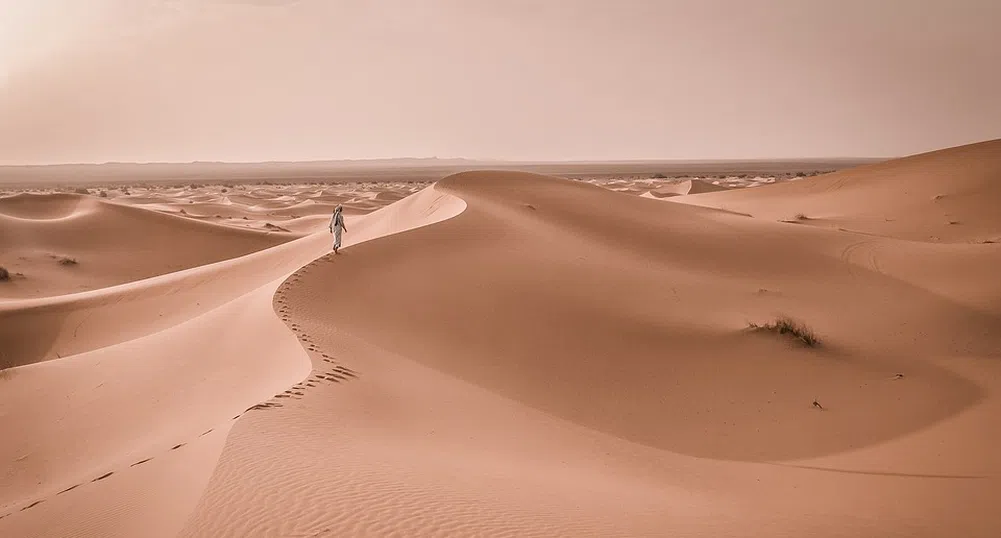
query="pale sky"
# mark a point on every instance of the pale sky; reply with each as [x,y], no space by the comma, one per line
[256,80]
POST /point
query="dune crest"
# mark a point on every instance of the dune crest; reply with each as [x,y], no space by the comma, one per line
[557,350]
[228,354]
[949,195]
[508,353]
[108,243]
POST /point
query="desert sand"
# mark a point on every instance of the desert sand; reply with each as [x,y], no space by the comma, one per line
[504,353]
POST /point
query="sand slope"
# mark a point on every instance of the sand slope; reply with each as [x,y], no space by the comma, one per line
[949,195]
[564,360]
[682,188]
[508,354]
[109,243]
[153,410]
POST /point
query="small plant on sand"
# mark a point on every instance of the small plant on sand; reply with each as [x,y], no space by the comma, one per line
[788,327]
[798,217]
[67,261]
[274,227]
[81,190]
[103,194]
[4,274]
[658,175]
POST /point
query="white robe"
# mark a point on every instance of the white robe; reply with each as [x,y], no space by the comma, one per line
[336,227]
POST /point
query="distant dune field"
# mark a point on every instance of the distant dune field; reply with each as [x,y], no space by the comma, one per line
[732,352]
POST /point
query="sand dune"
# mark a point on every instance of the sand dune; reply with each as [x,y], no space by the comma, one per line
[108,243]
[949,195]
[683,187]
[509,354]
[557,350]
[226,357]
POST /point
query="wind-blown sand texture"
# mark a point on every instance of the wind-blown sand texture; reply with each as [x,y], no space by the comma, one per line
[511,354]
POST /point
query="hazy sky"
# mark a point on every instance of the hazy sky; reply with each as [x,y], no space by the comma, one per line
[182,80]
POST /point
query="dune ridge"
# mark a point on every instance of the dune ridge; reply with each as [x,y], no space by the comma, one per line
[949,195]
[228,357]
[511,354]
[42,230]
[559,359]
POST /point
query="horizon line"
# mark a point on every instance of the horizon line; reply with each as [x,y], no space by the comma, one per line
[462,159]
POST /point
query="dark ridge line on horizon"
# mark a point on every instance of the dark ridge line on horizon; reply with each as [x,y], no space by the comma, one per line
[432,161]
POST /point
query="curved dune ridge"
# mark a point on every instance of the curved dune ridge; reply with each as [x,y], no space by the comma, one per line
[949,195]
[564,360]
[508,354]
[154,408]
[64,243]
[682,188]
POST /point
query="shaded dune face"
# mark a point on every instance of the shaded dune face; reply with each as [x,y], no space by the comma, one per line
[42,206]
[629,316]
[950,195]
[110,243]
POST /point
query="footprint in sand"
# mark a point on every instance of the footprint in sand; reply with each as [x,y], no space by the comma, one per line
[71,488]
[32,505]
[345,371]
[103,476]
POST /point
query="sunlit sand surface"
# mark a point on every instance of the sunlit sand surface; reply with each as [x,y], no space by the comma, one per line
[508,354]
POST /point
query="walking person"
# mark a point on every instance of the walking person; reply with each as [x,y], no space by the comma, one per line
[337,226]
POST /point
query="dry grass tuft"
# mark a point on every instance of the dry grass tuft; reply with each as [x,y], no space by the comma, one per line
[789,327]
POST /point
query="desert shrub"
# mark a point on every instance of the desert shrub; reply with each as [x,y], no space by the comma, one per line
[658,175]
[103,194]
[789,327]
[4,274]
[67,261]
[81,190]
